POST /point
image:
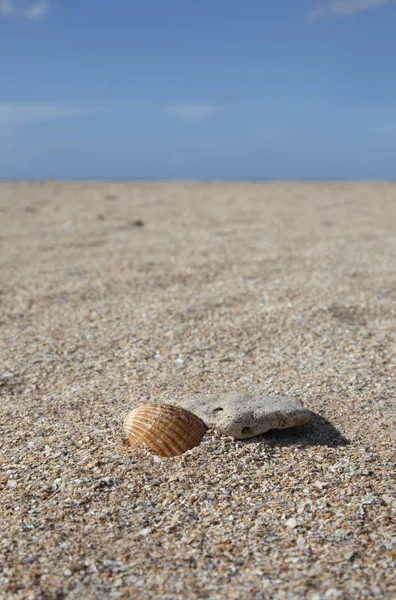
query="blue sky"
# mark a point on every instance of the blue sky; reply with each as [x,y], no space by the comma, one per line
[198,89]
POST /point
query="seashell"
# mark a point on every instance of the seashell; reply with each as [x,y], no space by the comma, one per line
[167,429]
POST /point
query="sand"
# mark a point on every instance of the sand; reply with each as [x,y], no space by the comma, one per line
[114,294]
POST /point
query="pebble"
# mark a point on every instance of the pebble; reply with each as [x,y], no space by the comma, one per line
[291,523]
[332,593]
[244,415]
[319,484]
[301,542]
[387,499]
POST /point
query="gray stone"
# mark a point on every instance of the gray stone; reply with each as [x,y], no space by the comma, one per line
[243,415]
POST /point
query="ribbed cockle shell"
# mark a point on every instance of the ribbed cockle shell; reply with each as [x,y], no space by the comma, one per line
[168,430]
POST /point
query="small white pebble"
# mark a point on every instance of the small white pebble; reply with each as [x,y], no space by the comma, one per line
[291,523]
[12,483]
[368,500]
[301,541]
[319,484]
[6,374]
[332,593]
[145,531]
[387,499]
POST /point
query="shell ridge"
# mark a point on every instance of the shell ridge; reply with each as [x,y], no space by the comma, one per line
[167,429]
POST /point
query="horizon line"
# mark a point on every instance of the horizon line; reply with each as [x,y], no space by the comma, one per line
[196,179]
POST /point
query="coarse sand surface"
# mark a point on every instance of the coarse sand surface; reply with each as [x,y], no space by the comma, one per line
[114,294]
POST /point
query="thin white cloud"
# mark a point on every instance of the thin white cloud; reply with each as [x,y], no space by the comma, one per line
[37,10]
[343,8]
[33,11]
[13,113]
[194,111]
[7,8]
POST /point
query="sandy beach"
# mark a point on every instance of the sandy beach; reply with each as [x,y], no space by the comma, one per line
[114,294]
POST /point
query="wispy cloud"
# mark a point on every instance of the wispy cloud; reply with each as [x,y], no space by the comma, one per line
[37,10]
[6,8]
[193,111]
[34,11]
[343,8]
[13,113]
